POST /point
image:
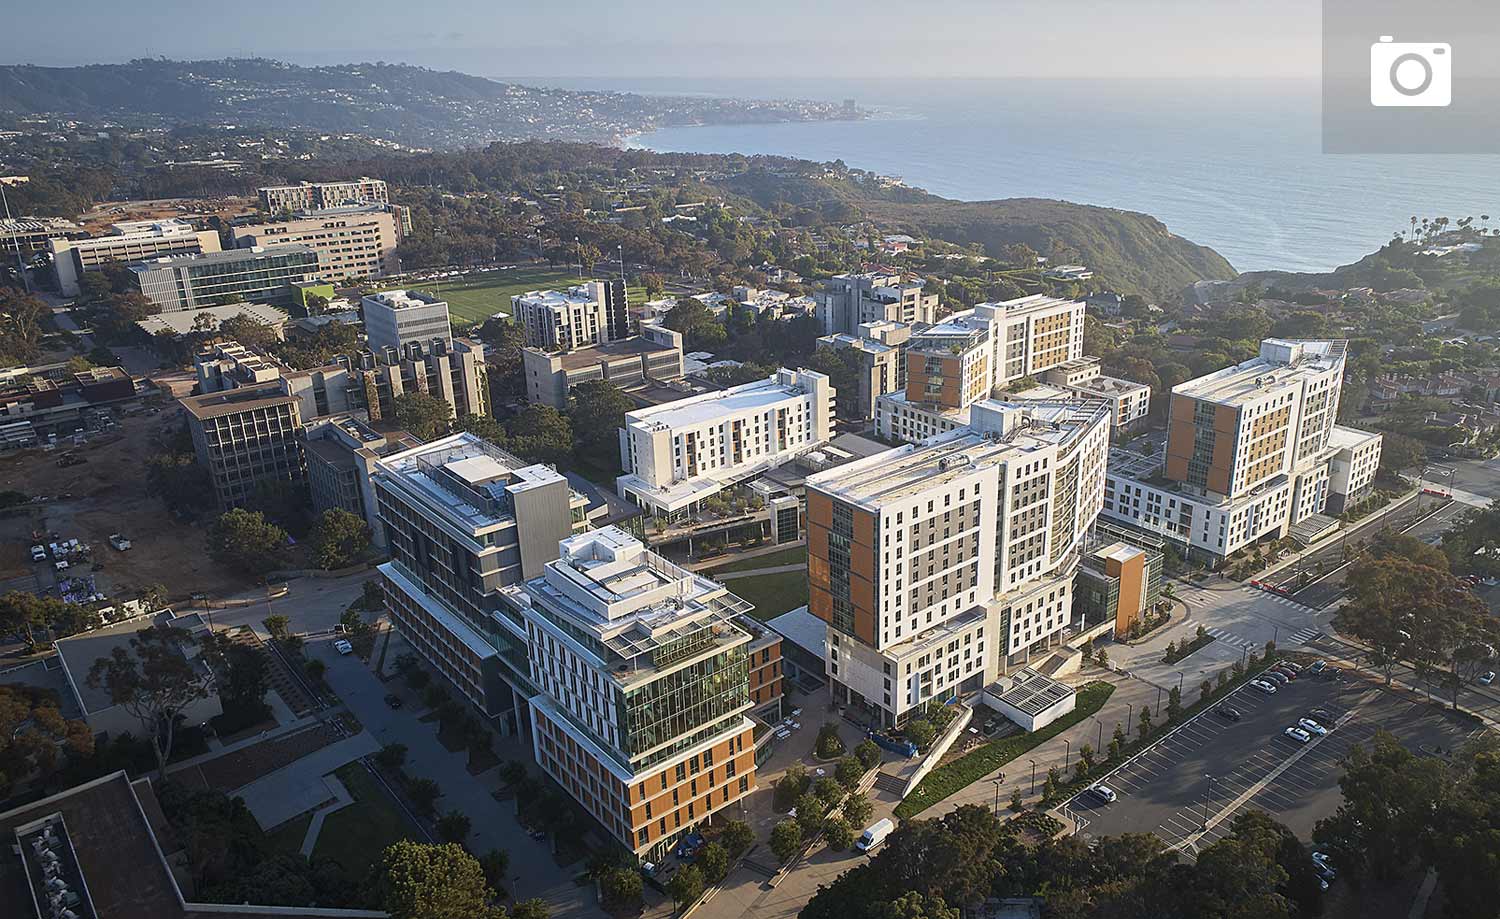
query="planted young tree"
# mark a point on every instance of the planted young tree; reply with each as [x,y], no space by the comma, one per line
[849,772]
[155,682]
[278,625]
[828,792]
[454,826]
[1017,803]
[858,809]
[338,539]
[921,732]
[424,793]
[1174,704]
[868,753]
[686,886]
[392,756]
[828,744]
[1205,691]
[1144,730]
[838,834]
[513,772]
[786,839]
[714,860]
[496,866]
[810,811]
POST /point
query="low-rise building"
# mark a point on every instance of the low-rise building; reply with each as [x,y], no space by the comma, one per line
[30,235]
[1117,583]
[1352,470]
[643,672]
[33,408]
[654,355]
[191,282]
[1130,402]
[209,318]
[677,454]
[246,436]
[127,242]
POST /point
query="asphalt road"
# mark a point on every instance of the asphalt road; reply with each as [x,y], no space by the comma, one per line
[1167,788]
[1424,519]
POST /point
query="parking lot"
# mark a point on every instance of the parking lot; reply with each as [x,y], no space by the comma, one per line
[1189,786]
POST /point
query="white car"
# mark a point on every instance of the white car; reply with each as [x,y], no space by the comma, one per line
[1311,726]
[1487,678]
[1103,793]
[343,647]
[38,554]
[61,565]
[1263,686]
[1298,735]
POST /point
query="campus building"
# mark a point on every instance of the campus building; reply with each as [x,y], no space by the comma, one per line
[679,453]
[848,301]
[1129,402]
[643,674]
[395,318]
[463,520]
[29,235]
[878,349]
[131,241]
[341,454]
[975,354]
[353,241]
[655,354]
[315,196]
[1117,583]
[564,320]
[260,275]
[246,436]
[1251,454]
[936,565]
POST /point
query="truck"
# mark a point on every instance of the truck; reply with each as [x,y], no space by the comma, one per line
[120,543]
[875,835]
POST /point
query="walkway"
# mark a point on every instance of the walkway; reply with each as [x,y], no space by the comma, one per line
[299,787]
[756,572]
[341,800]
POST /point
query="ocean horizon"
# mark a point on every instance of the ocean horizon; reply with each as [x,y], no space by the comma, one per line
[1237,167]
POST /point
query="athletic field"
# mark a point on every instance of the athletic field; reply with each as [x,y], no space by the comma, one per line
[478,296]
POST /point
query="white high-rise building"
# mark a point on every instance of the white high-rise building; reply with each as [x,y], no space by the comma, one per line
[936,565]
[561,320]
[395,318]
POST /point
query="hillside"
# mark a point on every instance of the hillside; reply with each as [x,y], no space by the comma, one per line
[1134,251]
[412,105]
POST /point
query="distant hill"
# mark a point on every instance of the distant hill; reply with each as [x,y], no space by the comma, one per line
[1134,251]
[412,105]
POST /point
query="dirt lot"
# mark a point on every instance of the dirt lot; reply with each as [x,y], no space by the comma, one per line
[108,495]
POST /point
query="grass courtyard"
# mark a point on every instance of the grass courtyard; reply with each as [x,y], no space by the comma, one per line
[772,594]
[476,297]
[356,836]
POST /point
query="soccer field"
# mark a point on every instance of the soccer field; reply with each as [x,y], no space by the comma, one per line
[476,297]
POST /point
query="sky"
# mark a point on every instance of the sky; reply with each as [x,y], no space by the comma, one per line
[543,42]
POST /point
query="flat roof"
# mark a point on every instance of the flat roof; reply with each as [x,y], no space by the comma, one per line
[78,652]
[467,457]
[1341,437]
[748,397]
[1266,372]
[803,629]
[581,358]
[228,255]
[904,471]
[244,399]
[180,322]
[1030,692]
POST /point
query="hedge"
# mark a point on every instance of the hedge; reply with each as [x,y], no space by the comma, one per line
[971,767]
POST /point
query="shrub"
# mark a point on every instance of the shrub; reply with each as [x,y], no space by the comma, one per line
[920,732]
[392,756]
[453,826]
[424,794]
[1017,803]
[829,744]
[315,670]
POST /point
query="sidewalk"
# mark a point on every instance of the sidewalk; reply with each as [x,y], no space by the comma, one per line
[1346,531]
[755,572]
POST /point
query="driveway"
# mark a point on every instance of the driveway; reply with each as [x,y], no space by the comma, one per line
[533,872]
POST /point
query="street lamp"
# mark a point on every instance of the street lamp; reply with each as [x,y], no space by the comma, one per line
[1067,753]
[578,251]
[20,262]
[1158,700]
[997,780]
[1100,747]
[1208,796]
[1033,775]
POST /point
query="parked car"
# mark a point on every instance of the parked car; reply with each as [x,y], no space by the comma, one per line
[1311,726]
[1103,793]
[1291,665]
[1276,676]
[1322,716]
[1298,735]
[1487,678]
[1267,688]
[1287,672]
[38,554]
[393,700]
[342,646]
[61,564]
[1227,713]
[1318,665]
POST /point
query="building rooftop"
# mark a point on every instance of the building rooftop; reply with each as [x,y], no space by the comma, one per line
[1001,432]
[403,299]
[181,322]
[578,295]
[581,358]
[747,397]
[1109,386]
[169,226]
[244,399]
[1278,365]
[1035,302]
[1340,437]
[78,653]
[1030,692]
[216,258]
[803,629]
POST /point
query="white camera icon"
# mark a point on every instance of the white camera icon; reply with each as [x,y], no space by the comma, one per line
[1410,73]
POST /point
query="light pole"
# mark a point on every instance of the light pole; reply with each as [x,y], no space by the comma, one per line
[1206,798]
[1100,747]
[997,780]
[1179,682]
[578,251]
[1067,753]
[620,250]
[1033,775]
[1129,716]
[1158,700]
[20,262]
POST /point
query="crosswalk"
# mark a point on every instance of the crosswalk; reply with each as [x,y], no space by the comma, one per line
[1300,637]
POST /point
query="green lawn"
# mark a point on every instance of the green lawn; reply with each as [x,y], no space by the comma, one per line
[772,594]
[288,837]
[357,835]
[795,555]
[971,767]
[476,297]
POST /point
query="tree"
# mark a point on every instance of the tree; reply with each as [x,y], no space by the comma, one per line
[1174,704]
[737,837]
[838,834]
[868,753]
[621,889]
[828,792]
[534,908]
[1017,803]
[1391,602]
[424,793]
[277,625]
[32,734]
[858,809]
[185,487]
[540,434]
[1052,785]
[315,669]
[714,860]
[423,415]
[786,839]
[921,732]
[249,331]
[155,682]
[247,542]
[338,539]
[1393,544]
[453,826]
[596,411]
[420,881]
[686,886]
[245,672]
[1145,727]
[1399,453]
[391,756]
[27,614]
[828,744]
[916,905]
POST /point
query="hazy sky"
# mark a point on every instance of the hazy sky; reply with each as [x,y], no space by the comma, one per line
[1193,39]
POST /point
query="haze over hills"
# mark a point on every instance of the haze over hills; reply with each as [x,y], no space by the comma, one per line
[412,105]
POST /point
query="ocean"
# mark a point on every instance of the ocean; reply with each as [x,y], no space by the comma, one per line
[1232,166]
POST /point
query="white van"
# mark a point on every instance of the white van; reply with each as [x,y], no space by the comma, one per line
[875,835]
